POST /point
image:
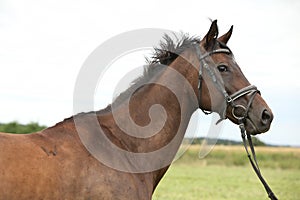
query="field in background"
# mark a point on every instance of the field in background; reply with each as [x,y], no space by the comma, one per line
[225,173]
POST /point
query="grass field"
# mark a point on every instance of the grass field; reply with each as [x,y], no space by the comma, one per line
[226,174]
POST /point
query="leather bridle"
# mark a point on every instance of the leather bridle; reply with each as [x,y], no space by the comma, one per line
[250,91]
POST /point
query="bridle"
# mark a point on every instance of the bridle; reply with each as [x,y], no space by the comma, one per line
[229,100]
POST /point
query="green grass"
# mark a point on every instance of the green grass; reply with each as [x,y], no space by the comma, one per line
[216,178]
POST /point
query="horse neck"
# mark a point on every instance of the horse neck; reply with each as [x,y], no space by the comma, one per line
[151,127]
[168,101]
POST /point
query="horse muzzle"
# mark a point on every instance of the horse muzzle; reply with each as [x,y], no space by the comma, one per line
[259,123]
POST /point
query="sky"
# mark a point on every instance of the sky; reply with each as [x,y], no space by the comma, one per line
[43,45]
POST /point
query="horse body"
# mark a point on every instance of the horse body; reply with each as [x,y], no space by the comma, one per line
[55,164]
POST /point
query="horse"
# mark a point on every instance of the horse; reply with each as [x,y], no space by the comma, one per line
[200,73]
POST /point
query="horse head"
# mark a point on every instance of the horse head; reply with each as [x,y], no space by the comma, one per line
[224,89]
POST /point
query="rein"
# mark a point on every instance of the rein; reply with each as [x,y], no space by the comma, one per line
[254,163]
[251,91]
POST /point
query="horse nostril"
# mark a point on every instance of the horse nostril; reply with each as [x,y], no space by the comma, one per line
[266,117]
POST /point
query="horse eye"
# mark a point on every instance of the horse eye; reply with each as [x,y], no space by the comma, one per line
[222,68]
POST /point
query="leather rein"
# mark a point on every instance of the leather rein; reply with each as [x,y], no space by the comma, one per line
[250,91]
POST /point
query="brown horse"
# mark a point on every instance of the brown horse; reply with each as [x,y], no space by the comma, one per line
[54,163]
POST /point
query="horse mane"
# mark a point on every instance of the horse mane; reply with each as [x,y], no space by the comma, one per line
[169,49]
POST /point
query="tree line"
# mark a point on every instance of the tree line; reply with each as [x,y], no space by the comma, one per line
[200,140]
[16,127]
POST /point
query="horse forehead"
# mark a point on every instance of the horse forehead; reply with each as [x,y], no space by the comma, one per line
[225,58]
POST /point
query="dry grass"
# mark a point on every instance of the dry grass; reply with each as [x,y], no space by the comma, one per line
[241,148]
[270,157]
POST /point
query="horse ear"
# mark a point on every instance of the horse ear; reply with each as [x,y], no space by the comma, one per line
[211,36]
[224,38]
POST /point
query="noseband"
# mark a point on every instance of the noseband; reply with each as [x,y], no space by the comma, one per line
[229,100]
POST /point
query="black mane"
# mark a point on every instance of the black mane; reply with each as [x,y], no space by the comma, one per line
[169,49]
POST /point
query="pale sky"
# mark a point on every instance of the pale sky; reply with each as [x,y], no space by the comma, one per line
[43,45]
